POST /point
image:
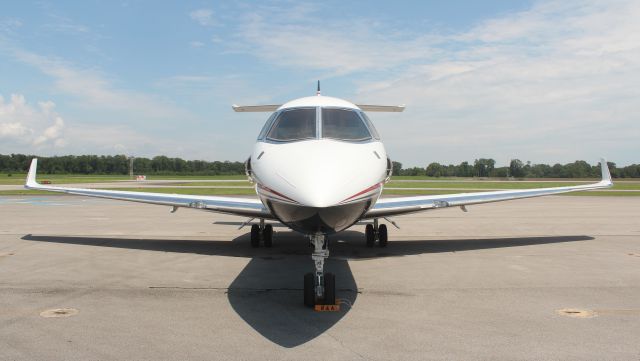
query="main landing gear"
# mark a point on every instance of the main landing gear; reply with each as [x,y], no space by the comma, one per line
[319,287]
[261,232]
[374,232]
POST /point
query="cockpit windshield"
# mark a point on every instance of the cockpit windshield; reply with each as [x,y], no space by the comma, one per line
[294,124]
[343,124]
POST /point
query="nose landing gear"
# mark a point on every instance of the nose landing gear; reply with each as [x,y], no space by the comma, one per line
[374,232]
[319,287]
[261,232]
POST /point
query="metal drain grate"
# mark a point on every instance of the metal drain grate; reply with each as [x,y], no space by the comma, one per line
[576,313]
[59,312]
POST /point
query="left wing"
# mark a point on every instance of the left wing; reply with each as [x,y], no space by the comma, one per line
[237,206]
[401,205]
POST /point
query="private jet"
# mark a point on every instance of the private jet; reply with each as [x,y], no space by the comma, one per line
[319,167]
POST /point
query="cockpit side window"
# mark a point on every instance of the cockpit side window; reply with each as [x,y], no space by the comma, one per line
[267,126]
[372,129]
[343,124]
[294,124]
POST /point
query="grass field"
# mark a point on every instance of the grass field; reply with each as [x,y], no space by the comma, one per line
[244,191]
[18,178]
[470,184]
[503,185]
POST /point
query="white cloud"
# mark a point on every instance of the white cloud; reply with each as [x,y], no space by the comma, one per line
[540,89]
[203,16]
[51,133]
[340,47]
[96,90]
[556,82]
[115,121]
[196,44]
[21,123]
[28,128]
[11,130]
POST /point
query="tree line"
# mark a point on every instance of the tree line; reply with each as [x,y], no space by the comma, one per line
[162,165]
[484,167]
[117,164]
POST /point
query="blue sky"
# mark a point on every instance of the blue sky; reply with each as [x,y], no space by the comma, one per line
[546,81]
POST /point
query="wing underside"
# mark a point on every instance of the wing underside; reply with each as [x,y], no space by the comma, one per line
[402,205]
[231,205]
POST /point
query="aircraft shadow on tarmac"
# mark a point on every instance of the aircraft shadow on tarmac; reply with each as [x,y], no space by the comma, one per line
[267,293]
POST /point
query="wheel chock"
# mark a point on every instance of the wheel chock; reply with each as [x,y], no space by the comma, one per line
[327,308]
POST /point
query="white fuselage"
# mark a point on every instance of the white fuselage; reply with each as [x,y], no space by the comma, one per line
[319,185]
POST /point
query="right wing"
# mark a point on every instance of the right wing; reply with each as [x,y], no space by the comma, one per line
[402,205]
[231,205]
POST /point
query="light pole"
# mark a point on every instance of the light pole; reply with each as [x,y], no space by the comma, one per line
[131,158]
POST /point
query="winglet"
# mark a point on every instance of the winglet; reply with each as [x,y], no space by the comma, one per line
[606,176]
[31,177]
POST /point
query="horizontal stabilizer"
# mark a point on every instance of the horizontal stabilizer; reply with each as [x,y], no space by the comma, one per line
[381,108]
[274,107]
[255,108]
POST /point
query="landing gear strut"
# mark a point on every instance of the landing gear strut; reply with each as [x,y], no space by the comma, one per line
[374,232]
[261,232]
[319,287]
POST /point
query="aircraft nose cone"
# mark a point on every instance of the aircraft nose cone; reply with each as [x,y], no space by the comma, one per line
[329,173]
[320,187]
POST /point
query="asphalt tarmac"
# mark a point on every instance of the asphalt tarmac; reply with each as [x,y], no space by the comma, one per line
[547,278]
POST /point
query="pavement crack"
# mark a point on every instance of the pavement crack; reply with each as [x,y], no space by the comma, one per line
[361,356]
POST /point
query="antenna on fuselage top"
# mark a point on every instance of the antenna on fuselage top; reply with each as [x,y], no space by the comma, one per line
[318,92]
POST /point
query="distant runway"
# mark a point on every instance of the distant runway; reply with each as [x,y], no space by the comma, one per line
[545,278]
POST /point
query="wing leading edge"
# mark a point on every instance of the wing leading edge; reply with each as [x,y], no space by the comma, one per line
[237,206]
[401,205]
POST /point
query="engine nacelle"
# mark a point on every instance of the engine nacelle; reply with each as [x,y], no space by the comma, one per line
[247,169]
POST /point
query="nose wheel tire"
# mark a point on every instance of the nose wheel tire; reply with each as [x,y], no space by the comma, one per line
[310,299]
[319,286]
